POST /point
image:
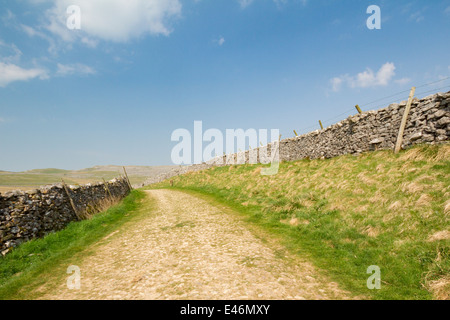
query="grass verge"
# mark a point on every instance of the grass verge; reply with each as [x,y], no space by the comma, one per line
[23,270]
[352,212]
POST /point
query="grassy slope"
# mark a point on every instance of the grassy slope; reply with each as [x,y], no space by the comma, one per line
[34,178]
[349,213]
[33,263]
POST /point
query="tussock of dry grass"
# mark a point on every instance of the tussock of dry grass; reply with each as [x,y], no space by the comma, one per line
[447,207]
[424,200]
[440,288]
[99,206]
[435,154]
[412,187]
[440,235]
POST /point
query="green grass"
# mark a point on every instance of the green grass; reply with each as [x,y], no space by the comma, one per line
[349,213]
[29,266]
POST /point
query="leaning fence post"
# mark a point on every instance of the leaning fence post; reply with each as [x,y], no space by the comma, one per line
[359,109]
[295,132]
[107,188]
[70,200]
[128,180]
[321,126]
[398,146]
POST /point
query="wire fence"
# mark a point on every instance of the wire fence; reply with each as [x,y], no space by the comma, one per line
[380,103]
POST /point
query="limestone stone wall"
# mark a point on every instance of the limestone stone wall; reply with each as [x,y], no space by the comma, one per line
[428,122]
[28,215]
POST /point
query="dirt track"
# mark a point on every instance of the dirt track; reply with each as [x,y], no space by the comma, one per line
[187,248]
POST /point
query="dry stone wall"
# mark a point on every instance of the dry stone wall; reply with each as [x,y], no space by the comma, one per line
[428,122]
[28,215]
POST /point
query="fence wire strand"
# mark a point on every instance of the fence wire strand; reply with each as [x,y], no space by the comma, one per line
[364,106]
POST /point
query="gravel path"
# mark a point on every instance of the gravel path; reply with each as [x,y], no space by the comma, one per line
[187,248]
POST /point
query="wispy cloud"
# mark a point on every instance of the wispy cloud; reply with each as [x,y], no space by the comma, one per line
[403,81]
[413,13]
[220,42]
[11,73]
[366,79]
[9,52]
[245,3]
[74,69]
[416,16]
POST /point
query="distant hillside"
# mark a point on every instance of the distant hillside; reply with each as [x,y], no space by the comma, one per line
[34,178]
[48,171]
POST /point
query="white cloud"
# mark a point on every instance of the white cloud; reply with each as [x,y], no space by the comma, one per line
[336,83]
[10,73]
[366,78]
[74,69]
[403,81]
[245,3]
[416,16]
[220,42]
[113,20]
[9,52]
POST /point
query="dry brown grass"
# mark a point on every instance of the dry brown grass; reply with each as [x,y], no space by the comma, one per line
[424,200]
[412,187]
[99,206]
[443,153]
[440,288]
[257,171]
[447,207]
[365,179]
[416,154]
[371,231]
[396,205]
[378,198]
[440,235]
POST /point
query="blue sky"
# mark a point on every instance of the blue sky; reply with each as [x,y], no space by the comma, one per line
[114,91]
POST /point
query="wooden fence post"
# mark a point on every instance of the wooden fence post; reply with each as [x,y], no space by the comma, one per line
[70,199]
[321,126]
[295,132]
[128,180]
[398,146]
[359,109]
[107,188]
